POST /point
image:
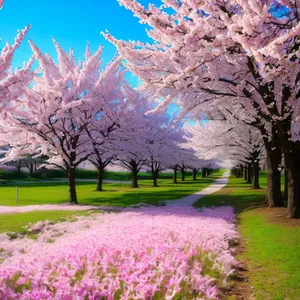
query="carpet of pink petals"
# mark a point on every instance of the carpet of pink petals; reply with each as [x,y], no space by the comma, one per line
[145,253]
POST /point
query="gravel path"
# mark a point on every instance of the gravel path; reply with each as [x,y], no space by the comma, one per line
[191,199]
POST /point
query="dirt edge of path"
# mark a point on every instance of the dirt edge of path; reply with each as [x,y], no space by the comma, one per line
[239,287]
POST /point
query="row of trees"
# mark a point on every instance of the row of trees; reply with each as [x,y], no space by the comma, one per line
[239,144]
[232,60]
[70,112]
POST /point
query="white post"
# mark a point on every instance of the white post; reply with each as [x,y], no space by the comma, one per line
[17,194]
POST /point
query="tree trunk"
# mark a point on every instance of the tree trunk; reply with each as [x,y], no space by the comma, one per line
[249,176]
[203,172]
[255,176]
[291,152]
[100,178]
[274,198]
[155,176]
[292,164]
[286,196]
[182,175]
[242,171]
[134,179]
[246,174]
[194,174]
[72,186]
[31,171]
[175,176]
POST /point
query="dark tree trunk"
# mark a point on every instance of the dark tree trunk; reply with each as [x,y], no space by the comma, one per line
[255,176]
[286,188]
[31,172]
[182,175]
[292,164]
[208,172]
[204,173]
[242,171]
[249,176]
[100,178]
[175,176]
[19,166]
[155,176]
[72,186]
[274,155]
[194,174]
[134,179]
[246,174]
[291,152]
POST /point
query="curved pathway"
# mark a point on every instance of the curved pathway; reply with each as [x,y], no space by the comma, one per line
[186,201]
[191,199]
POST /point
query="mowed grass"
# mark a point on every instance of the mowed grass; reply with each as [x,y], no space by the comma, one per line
[17,222]
[272,250]
[113,194]
[237,193]
[272,255]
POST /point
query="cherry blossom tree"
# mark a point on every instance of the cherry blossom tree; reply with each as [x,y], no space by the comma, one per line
[160,142]
[242,144]
[241,54]
[62,109]
[101,158]
[158,149]
[12,82]
[31,164]
[102,123]
[183,158]
[130,140]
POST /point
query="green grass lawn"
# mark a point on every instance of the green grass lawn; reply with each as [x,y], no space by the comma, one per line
[16,222]
[272,250]
[113,194]
[272,254]
[237,194]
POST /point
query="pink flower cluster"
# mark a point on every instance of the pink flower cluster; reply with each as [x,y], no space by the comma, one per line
[153,252]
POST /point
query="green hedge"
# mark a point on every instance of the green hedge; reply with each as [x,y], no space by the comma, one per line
[80,173]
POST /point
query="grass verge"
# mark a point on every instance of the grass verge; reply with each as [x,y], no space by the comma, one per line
[271,245]
[17,222]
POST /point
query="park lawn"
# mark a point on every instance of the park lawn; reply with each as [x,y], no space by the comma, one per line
[16,222]
[272,256]
[113,194]
[271,249]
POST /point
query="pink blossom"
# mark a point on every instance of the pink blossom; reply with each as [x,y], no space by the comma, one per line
[133,254]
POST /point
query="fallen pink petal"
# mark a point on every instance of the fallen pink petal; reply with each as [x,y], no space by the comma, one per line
[145,253]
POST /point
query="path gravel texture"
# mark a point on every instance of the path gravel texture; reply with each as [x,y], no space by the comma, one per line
[186,201]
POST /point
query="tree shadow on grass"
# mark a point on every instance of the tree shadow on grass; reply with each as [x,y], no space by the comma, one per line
[238,194]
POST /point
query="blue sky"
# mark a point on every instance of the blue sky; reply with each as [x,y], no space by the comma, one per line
[72,23]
